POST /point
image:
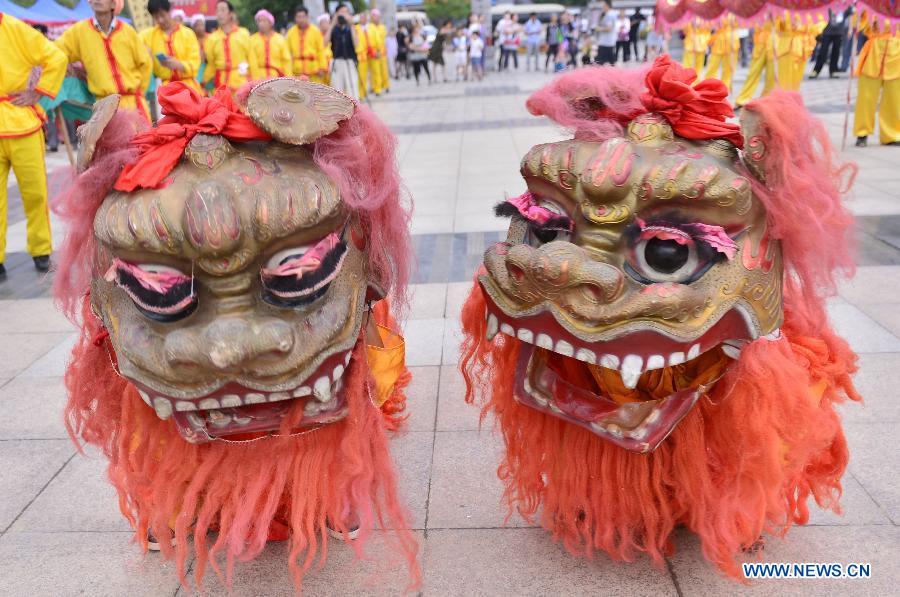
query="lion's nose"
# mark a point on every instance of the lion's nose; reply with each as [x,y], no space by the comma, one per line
[230,343]
[559,267]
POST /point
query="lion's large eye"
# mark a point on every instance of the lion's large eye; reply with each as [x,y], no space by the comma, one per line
[668,254]
[299,275]
[160,292]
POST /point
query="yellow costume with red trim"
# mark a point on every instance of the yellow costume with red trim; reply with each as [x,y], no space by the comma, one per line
[723,50]
[307,51]
[790,52]
[229,59]
[182,45]
[878,70]
[21,136]
[116,62]
[271,55]
[383,70]
[368,51]
[762,60]
[696,39]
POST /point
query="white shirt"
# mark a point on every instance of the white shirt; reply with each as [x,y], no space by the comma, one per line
[476,47]
[607,38]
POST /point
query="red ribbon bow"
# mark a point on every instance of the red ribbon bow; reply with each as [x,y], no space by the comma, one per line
[694,111]
[187,113]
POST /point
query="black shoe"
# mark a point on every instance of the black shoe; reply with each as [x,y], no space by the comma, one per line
[2,273]
[862,141]
[42,263]
[832,75]
[892,144]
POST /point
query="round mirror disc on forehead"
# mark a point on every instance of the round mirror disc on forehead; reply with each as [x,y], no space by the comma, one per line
[89,132]
[297,112]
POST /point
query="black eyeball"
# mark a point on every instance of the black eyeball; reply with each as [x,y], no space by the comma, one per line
[665,256]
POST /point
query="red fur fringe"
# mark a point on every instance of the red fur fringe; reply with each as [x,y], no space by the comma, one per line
[339,474]
[743,462]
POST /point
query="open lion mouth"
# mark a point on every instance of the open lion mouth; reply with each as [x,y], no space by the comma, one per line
[632,390]
[234,410]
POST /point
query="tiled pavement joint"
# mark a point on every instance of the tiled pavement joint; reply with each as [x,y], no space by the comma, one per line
[39,492]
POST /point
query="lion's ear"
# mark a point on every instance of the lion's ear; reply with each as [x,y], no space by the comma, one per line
[90,132]
[298,112]
[755,149]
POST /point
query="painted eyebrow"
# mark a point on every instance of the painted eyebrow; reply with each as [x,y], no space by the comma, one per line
[525,206]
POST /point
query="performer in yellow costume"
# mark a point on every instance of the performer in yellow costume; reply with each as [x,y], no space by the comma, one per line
[23,48]
[790,52]
[761,61]
[723,50]
[114,57]
[368,52]
[383,60]
[878,70]
[307,48]
[324,23]
[696,39]
[173,41]
[229,61]
[270,50]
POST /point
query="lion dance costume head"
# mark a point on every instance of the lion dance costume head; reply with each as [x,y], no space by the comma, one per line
[221,268]
[652,334]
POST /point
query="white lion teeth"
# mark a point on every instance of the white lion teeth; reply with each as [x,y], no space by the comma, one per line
[337,373]
[694,352]
[656,361]
[544,341]
[162,407]
[588,356]
[145,398]
[632,367]
[564,348]
[525,335]
[322,389]
[301,391]
[208,404]
[254,398]
[731,351]
[610,361]
[508,330]
[492,326]
[279,396]
[230,401]
[184,405]
[347,357]
[676,358]
[773,335]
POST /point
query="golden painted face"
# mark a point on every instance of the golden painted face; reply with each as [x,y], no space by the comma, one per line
[631,269]
[234,290]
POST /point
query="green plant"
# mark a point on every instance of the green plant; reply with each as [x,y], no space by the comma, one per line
[439,11]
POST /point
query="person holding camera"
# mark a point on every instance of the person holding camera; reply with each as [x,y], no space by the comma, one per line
[344,72]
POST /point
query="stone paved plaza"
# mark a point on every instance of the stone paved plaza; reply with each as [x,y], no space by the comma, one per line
[459,146]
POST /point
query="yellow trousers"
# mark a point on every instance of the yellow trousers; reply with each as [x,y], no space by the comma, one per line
[26,157]
[726,62]
[693,60]
[362,68]
[385,73]
[763,62]
[790,72]
[370,75]
[319,79]
[888,109]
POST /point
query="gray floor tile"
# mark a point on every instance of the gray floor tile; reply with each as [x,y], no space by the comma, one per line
[874,457]
[421,398]
[79,499]
[452,339]
[457,293]
[528,562]
[861,331]
[53,363]
[18,351]
[423,342]
[25,468]
[96,564]
[453,412]
[33,408]
[878,545]
[858,508]
[427,301]
[32,316]
[887,315]
[412,456]
[465,490]
[885,278]
[876,382]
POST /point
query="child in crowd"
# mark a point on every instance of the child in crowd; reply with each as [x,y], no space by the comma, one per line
[461,54]
[476,55]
